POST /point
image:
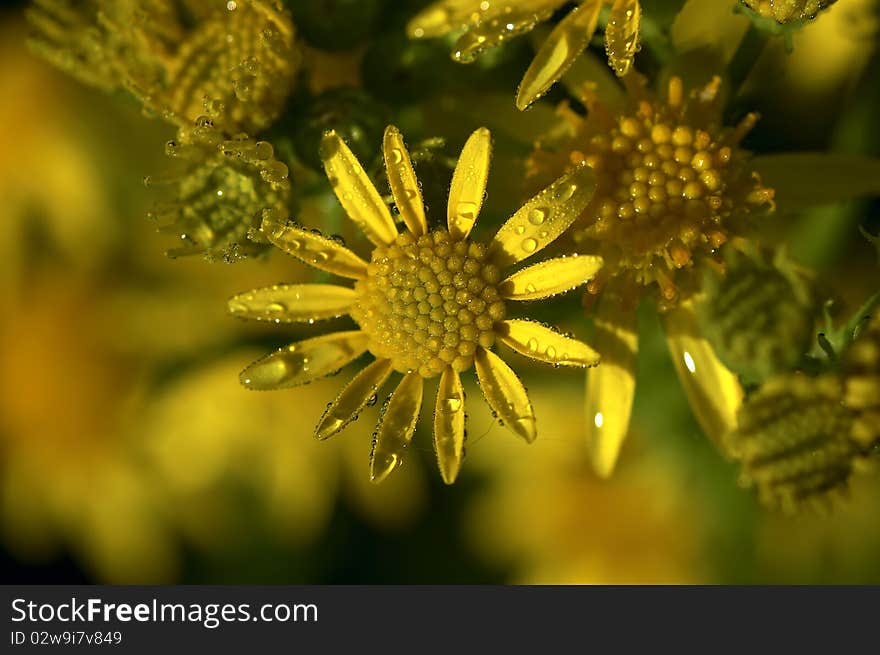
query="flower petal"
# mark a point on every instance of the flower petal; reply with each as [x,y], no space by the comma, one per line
[469,183]
[396,427]
[545,345]
[315,249]
[442,17]
[356,395]
[355,191]
[499,26]
[304,361]
[449,419]
[505,394]
[290,303]
[543,218]
[622,34]
[404,184]
[567,40]
[550,277]
[714,392]
[611,385]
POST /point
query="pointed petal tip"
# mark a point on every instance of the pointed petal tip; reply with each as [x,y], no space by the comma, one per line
[382,466]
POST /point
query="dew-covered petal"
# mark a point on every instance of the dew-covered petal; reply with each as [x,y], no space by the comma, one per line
[469,183]
[567,40]
[713,391]
[404,184]
[622,34]
[611,386]
[442,17]
[355,191]
[550,277]
[513,19]
[315,249]
[543,218]
[396,427]
[546,345]
[291,303]
[304,361]
[505,394]
[357,394]
[449,419]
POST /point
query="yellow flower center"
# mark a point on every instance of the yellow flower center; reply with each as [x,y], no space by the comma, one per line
[670,182]
[428,302]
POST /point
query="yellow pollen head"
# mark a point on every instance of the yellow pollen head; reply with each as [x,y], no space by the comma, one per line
[672,185]
[428,302]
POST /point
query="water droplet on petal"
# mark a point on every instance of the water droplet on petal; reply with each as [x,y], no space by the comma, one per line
[529,245]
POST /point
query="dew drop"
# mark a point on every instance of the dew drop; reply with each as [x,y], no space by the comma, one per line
[551,352]
[532,345]
[451,404]
[520,229]
[537,216]
[467,211]
[530,288]
[396,156]
[565,192]
[529,245]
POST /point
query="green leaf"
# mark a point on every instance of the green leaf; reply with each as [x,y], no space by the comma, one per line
[809,179]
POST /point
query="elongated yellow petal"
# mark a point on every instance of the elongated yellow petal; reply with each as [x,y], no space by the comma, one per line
[543,218]
[505,394]
[714,392]
[358,393]
[304,361]
[622,34]
[449,425]
[442,17]
[502,21]
[290,303]
[403,182]
[355,191]
[396,427]
[611,385]
[315,249]
[545,345]
[567,40]
[550,277]
[469,183]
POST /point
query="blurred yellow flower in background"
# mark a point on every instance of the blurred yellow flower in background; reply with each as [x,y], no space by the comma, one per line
[545,515]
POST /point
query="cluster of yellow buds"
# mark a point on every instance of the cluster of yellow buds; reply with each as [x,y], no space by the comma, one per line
[788,11]
[175,56]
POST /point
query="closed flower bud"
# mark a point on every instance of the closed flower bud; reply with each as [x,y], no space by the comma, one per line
[220,192]
[788,11]
[759,317]
[861,383]
[794,440]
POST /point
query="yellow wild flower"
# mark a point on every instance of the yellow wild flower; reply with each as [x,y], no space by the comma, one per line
[173,56]
[486,23]
[672,187]
[429,302]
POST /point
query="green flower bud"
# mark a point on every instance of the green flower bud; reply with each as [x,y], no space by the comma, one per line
[758,317]
[794,439]
[861,380]
[218,199]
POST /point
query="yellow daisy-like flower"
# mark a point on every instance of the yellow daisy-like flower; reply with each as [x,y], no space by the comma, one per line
[489,22]
[673,186]
[429,302]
